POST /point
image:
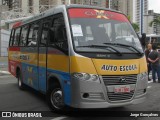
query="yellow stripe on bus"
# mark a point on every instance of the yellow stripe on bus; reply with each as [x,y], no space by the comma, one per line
[58,62]
[81,64]
[94,66]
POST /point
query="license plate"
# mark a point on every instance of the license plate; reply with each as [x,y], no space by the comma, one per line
[122,88]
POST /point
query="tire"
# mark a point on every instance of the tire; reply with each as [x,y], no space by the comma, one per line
[55,99]
[20,83]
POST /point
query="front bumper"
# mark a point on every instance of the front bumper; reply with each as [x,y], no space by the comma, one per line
[109,105]
[99,97]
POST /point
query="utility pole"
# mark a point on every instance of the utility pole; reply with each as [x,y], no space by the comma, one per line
[142,11]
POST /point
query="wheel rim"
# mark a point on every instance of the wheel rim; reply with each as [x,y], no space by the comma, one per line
[57,98]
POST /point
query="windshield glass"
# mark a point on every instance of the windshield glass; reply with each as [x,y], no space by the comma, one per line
[98,27]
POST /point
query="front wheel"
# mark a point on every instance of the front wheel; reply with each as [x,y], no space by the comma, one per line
[55,99]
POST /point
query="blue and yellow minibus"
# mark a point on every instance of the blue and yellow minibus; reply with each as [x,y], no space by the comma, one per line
[79,56]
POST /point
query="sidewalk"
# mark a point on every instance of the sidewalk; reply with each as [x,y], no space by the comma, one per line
[4,66]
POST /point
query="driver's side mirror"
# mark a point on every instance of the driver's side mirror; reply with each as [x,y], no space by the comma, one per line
[143,40]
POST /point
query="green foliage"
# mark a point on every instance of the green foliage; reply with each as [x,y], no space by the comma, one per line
[156,21]
[129,17]
[135,26]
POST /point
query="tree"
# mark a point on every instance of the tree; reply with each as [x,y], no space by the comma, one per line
[156,21]
[135,26]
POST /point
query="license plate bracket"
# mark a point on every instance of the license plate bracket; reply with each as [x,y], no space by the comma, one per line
[122,89]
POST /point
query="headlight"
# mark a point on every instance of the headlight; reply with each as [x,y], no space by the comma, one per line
[143,75]
[86,77]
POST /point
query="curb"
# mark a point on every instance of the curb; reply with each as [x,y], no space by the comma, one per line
[5,72]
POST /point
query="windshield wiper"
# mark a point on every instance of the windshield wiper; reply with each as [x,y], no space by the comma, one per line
[104,46]
[129,46]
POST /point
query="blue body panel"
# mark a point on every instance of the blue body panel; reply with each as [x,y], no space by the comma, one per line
[30,75]
[38,81]
[42,79]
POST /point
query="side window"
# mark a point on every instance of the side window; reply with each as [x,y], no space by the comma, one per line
[44,36]
[16,37]
[11,37]
[33,34]
[23,37]
[59,38]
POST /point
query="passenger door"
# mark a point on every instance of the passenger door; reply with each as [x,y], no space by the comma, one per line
[42,62]
[30,53]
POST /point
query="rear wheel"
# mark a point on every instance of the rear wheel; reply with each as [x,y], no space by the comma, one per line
[55,98]
[19,79]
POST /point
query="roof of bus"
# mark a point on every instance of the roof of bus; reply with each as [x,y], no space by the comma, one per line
[89,6]
[56,10]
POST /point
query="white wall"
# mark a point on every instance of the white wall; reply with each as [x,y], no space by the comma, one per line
[0,2]
[4,42]
[147,28]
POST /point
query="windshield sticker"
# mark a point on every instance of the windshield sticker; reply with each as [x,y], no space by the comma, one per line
[96,13]
[77,30]
[122,68]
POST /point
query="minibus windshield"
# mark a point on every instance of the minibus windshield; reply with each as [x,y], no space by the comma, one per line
[97,27]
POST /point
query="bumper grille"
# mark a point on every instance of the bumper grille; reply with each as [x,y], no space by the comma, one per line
[116,80]
[120,96]
[110,80]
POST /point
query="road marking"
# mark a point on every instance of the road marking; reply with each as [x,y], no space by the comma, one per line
[59,118]
[149,87]
[5,72]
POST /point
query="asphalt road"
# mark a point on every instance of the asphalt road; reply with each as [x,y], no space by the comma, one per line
[13,99]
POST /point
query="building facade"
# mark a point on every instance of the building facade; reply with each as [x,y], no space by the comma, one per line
[155,28]
[29,6]
[2,25]
[132,8]
[4,42]
[101,3]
